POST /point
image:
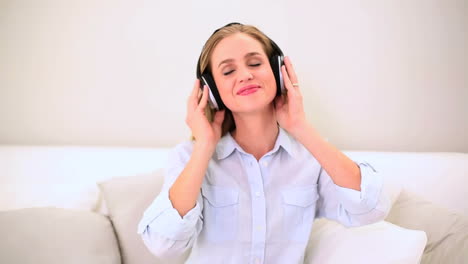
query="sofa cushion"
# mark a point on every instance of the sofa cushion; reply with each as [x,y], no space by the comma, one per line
[126,199]
[446,230]
[54,235]
[382,242]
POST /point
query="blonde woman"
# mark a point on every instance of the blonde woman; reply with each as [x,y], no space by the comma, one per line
[248,186]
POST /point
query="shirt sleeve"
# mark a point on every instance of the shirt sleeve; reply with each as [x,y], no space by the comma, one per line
[351,207]
[164,232]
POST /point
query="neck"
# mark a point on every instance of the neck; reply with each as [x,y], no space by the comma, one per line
[256,132]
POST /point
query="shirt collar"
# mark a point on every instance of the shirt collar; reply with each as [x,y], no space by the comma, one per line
[227,144]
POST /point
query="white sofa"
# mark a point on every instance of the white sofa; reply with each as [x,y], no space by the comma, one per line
[72,204]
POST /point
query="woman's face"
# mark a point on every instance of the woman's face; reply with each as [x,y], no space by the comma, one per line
[243,74]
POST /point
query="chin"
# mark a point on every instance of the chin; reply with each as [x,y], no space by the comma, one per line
[254,108]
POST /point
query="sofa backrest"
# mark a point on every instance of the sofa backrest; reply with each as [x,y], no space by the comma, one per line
[66,176]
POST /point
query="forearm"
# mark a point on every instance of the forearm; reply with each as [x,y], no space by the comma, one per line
[343,171]
[185,190]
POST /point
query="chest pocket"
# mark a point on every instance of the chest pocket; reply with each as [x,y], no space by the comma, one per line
[299,204]
[220,213]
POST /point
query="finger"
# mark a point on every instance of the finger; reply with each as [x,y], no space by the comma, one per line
[193,98]
[195,89]
[204,99]
[290,69]
[287,81]
[199,95]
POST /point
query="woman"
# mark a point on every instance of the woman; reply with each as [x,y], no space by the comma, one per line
[248,187]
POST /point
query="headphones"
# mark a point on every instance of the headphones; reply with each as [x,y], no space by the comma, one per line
[206,78]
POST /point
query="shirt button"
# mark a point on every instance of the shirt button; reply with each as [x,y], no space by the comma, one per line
[265,164]
[257,261]
[257,194]
[259,228]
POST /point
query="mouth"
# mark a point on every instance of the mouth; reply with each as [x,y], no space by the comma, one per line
[249,89]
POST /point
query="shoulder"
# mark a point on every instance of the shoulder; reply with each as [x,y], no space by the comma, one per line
[294,147]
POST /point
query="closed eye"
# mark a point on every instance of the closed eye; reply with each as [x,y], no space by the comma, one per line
[251,65]
[227,73]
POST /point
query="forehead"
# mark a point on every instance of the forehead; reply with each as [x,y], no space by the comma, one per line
[236,46]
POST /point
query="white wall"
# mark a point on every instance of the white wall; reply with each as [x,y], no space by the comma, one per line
[376,75]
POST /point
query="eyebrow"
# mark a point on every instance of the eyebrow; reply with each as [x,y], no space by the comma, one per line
[250,54]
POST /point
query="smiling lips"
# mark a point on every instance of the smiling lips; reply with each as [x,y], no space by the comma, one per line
[249,89]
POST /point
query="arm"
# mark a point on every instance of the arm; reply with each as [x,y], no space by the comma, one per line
[342,170]
[291,116]
[186,189]
[349,193]
[350,207]
[165,232]
[171,224]
[183,194]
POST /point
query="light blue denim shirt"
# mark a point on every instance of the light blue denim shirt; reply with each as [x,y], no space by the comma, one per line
[251,211]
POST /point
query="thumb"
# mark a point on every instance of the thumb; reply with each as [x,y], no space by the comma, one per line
[279,102]
[219,117]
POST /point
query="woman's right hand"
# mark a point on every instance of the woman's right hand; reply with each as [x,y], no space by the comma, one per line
[204,132]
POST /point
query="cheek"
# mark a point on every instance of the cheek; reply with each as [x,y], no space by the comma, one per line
[224,88]
[269,78]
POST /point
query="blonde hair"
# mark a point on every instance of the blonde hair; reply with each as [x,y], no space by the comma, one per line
[205,62]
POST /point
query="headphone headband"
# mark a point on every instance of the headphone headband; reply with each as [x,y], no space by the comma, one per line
[227,25]
[274,46]
[199,74]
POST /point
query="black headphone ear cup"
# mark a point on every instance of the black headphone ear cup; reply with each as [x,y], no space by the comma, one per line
[276,61]
[214,97]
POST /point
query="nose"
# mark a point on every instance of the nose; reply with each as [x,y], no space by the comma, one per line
[245,75]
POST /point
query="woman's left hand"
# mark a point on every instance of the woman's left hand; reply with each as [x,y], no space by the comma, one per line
[289,107]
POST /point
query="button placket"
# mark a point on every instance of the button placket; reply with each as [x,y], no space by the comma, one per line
[259,209]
